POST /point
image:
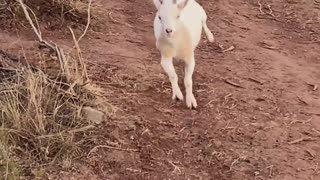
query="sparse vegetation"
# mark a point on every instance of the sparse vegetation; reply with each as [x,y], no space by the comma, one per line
[41,118]
[55,13]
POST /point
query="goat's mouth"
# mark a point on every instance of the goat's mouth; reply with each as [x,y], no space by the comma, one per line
[169,35]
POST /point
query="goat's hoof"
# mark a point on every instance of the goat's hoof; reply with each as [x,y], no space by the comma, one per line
[191,102]
[211,37]
[177,96]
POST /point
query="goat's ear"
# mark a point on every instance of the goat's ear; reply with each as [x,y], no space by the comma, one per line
[157,3]
[183,4]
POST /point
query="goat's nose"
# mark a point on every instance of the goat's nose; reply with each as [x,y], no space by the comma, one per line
[169,31]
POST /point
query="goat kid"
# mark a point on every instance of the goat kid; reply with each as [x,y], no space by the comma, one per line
[177,28]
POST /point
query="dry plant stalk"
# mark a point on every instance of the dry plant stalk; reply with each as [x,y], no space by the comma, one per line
[80,78]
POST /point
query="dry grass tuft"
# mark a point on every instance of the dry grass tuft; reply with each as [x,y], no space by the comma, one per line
[41,118]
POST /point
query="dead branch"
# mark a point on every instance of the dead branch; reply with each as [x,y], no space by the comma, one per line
[176,168]
[231,48]
[270,11]
[302,101]
[84,72]
[300,121]
[233,83]
[36,31]
[111,147]
[314,86]
[255,80]
[316,131]
[302,139]
[59,52]
[260,8]
[88,22]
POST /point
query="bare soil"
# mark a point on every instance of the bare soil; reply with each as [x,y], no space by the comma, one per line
[259,105]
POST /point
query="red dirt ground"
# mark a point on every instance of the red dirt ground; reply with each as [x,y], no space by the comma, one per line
[259,108]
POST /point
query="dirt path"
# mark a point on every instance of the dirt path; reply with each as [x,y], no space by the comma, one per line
[237,133]
[268,127]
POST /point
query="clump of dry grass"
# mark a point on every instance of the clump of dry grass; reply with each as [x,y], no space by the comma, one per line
[41,117]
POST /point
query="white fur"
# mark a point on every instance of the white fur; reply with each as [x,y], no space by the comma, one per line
[182,42]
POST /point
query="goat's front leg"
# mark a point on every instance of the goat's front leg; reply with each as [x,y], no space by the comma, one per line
[189,69]
[167,65]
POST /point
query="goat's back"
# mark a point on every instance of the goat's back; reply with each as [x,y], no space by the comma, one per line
[192,17]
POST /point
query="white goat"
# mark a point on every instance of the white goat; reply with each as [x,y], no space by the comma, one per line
[177,27]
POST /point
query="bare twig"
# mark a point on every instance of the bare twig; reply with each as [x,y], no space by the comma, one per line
[299,121]
[88,22]
[73,131]
[24,8]
[302,101]
[35,18]
[255,80]
[270,11]
[55,48]
[314,86]
[233,83]
[209,103]
[36,31]
[63,62]
[316,131]
[111,147]
[310,113]
[84,74]
[176,168]
[231,48]
[85,128]
[234,162]
[260,8]
[302,139]
[270,47]
[84,71]
[270,171]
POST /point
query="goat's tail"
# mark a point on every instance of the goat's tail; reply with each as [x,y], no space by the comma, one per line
[207,30]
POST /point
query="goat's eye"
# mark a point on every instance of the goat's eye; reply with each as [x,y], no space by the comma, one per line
[178,16]
[159,17]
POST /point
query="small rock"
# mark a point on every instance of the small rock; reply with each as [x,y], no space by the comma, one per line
[217,143]
[131,125]
[258,125]
[93,115]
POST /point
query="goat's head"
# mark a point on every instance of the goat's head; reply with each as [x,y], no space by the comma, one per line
[169,14]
